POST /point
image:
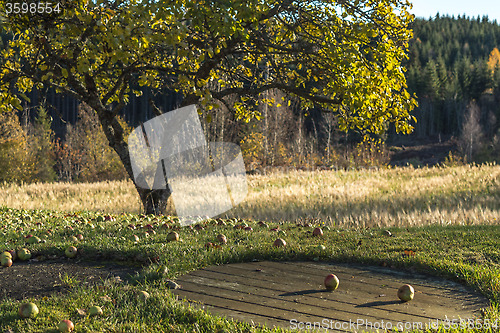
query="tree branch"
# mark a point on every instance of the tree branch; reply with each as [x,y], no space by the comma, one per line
[156,110]
[293,90]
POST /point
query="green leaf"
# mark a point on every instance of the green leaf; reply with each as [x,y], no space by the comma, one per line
[26,98]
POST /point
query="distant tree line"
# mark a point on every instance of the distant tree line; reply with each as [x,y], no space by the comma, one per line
[454,67]
[64,109]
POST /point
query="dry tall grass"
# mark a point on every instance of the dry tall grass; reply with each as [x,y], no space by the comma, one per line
[355,198]
[110,197]
[389,197]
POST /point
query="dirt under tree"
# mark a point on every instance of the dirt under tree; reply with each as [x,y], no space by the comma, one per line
[44,278]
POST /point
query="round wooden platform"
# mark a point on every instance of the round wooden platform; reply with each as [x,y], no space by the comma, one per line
[291,295]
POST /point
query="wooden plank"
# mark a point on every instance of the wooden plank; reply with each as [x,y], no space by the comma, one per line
[263,302]
[323,300]
[274,293]
[294,285]
[376,277]
[240,315]
[257,313]
[379,283]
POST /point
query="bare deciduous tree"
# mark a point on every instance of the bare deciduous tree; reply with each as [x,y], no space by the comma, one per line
[472,133]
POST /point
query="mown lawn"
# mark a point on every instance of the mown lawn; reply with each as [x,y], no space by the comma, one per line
[469,254]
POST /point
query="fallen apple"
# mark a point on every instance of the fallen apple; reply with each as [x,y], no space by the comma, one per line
[172,236]
[135,238]
[73,239]
[13,254]
[66,326]
[95,311]
[34,240]
[24,254]
[28,310]
[79,237]
[279,242]
[321,247]
[5,255]
[317,232]
[6,261]
[331,282]
[71,251]
[222,239]
[406,293]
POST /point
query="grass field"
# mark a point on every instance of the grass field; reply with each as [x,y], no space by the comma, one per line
[354,198]
[447,216]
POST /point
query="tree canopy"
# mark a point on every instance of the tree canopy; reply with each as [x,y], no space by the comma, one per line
[330,53]
[343,56]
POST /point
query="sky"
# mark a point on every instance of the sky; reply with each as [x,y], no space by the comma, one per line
[473,8]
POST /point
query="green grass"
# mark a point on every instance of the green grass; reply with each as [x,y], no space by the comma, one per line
[469,254]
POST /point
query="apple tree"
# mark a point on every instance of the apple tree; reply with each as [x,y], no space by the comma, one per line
[343,56]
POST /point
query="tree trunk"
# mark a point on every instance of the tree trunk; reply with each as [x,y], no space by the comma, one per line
[153,201]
